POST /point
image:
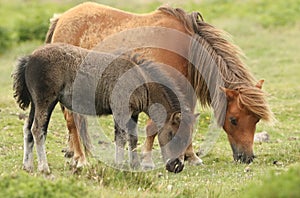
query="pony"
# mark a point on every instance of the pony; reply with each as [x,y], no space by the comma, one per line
[199,51]
[93,83]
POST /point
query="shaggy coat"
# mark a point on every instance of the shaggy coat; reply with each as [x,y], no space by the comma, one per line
[198,50]
[94,83]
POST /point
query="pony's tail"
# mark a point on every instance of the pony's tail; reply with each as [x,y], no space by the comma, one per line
[53,23]
[81,124]
[21,93]
[85,137]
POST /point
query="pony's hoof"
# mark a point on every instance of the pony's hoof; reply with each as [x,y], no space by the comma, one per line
[195,161]
[68,154]
[174,165]
[79,162]
[77,170]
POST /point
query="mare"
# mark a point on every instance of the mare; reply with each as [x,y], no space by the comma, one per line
[198,50]
[92,83]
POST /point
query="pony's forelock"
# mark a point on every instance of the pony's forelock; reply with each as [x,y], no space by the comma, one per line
[254,100]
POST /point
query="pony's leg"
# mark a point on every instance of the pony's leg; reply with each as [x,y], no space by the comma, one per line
[191,156]
[75,149]
[28,142]
[120,141]
[69,152]
[39,132]
[133,139]
[151,132]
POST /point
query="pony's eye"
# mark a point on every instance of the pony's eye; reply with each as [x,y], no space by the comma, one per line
[233,121]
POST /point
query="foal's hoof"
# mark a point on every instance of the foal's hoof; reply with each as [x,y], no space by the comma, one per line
[44,168]
[147,166]
[174,165]
[28,168]
[135,165]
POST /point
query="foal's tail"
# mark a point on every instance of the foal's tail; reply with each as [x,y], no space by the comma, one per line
[21,93]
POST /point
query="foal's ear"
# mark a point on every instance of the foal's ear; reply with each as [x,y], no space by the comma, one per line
[260,84]
[176,118]
[230,94]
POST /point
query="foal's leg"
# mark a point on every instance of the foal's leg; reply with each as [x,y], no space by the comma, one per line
[28,142]
[120,141]
[39,132]
[133,139]
[151,132]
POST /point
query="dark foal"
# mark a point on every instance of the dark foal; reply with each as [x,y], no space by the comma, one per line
[94,83]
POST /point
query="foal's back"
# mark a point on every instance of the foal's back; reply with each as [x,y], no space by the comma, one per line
[80,79]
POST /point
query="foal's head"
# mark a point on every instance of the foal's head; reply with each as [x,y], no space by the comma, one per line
[174,137]
[245,107]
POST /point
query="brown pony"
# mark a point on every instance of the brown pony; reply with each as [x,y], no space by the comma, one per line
[184,41]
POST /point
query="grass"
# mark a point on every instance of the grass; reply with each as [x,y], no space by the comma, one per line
[268,33]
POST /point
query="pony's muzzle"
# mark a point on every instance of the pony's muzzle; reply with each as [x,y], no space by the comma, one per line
[241,155]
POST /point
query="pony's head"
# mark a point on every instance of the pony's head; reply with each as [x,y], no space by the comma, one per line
[245,107]
[174,137]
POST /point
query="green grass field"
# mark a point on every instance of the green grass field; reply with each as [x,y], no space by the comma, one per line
[268,33]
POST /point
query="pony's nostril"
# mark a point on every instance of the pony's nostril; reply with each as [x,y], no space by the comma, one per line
[240,157]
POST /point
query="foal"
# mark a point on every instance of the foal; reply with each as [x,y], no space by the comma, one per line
[94,83]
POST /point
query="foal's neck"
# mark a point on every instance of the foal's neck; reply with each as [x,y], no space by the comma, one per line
[165,97]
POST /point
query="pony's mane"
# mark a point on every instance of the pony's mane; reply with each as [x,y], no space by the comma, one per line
[215,62]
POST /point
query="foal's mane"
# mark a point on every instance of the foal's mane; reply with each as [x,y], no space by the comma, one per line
[155,73]
[215,62]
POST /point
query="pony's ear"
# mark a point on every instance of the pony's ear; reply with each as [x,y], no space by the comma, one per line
[176,118]
[230,94]
[260,84]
